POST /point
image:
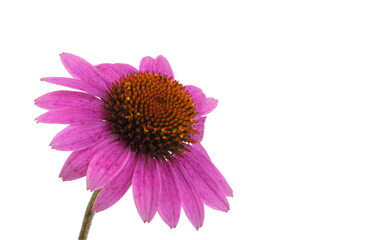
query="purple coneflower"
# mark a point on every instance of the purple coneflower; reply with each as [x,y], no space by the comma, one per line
[136,127]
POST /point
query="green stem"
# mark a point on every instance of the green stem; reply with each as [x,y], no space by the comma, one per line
[88,216]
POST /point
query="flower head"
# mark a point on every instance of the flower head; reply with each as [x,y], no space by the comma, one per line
[136,127]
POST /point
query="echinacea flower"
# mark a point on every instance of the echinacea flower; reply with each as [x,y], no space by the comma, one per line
[136,127]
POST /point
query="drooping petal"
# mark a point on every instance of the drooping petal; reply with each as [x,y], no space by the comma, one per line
[106,164]
[77,163]
[199,127]
[61,99]
[115,71]
[204,160]
[203,105]
[208,189]
[191,201]
[170,202]
[83,70]
[72,116]
[78,137]
[146,187]
[158,65]
[113,191]
[75,84]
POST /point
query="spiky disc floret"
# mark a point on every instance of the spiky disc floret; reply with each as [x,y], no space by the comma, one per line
[153,113]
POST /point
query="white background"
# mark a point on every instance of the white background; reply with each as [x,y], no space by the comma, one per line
[302,131]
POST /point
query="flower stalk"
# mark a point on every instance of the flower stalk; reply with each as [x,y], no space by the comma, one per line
[88,216]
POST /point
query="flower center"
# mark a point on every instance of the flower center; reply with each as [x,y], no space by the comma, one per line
[153,113]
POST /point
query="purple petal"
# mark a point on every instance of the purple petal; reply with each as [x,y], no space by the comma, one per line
[209,190]
[203,104]
[83,70]
[170,203]
[77,163]
[158,65]
[199,126]
[146,187]
[72,116]
[204,160]
[78,137]
[115,71]
[113,191]
[76,84]
[106,164]
[191,201]
[61,99]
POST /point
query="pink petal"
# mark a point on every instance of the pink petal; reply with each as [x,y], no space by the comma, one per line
[200,126]
[76,84]
[203,104]
[208,189]
[83,70]
[191,201]
[158,65]
[170,203]
[61,99]
[78,137]
[106,164]
[115,71]
[146,187]
[113,191]
[204,160]
[77,163]
[72,116]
